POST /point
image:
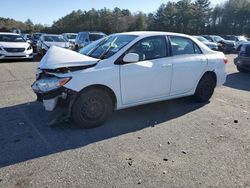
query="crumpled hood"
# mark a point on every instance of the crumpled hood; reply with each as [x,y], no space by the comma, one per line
[57,57]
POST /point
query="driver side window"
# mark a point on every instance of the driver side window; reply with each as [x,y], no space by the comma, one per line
[150,48]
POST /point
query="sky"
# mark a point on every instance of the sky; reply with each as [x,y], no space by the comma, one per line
[47,11]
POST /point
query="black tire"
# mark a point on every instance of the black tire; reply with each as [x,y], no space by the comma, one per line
[205,88]
[240,69]
[76,48]
[92,108]
[43,52]
[238,49]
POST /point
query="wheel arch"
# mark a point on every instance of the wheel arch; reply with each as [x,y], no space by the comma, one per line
[104,88]
[212,73]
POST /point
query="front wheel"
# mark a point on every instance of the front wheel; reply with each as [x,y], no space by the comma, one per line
[205,88]
[92,108]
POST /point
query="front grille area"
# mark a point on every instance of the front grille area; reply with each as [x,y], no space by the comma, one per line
[14,50]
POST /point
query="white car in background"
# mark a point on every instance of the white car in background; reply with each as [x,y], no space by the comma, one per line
[71,38]
[14,46]
[125,70]
[48,40]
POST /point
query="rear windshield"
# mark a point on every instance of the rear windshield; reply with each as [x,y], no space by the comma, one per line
[71,36]
[11,38]
[94,37]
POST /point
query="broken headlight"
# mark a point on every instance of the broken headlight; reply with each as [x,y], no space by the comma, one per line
[49,84]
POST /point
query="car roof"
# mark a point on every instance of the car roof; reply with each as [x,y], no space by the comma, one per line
[152,33]
[69,34]
[92,32]
[8,33]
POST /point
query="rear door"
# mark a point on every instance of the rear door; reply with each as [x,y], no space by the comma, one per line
[189,64]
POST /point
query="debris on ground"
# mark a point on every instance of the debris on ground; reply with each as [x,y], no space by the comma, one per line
[184,152]
[130,161]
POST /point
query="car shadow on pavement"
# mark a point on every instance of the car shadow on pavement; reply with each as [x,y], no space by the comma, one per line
[239,81]
[25,134]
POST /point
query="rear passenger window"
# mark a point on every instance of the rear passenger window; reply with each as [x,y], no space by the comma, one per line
[182,46]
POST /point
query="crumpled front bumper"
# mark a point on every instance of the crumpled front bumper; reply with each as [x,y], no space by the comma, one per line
[60,97]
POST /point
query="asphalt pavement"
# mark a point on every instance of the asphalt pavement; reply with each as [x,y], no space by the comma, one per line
[176,143]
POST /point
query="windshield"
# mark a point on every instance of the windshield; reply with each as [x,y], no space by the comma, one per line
[230,38]
[53,38]
[105,48]
[94,37]
[202,39]
[71,36]
[11,38]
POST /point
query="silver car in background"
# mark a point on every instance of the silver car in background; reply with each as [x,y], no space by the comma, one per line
[211,45]
[71,38]
[85,38]
[48,40]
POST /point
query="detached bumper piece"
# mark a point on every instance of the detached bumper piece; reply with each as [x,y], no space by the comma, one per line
[61,97]
[50,104]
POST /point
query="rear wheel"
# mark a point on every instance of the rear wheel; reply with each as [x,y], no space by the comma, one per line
[92,108]
[205,88]
[240,69]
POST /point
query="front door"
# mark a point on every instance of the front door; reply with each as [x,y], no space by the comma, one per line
[150,78]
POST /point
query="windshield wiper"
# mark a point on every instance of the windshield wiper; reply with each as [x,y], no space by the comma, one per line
[94,49]
[107,50]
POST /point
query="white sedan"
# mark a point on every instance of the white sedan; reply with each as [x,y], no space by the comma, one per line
[47,40]
[14,46]
[125,70]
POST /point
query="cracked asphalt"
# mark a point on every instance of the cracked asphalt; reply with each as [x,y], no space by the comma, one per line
[177,143]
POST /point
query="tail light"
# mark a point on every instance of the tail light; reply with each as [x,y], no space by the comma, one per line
[225,60]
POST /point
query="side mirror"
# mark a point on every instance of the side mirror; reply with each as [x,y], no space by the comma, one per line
[29,41]
[131,58]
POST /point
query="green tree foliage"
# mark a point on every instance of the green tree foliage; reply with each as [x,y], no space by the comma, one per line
[184,16]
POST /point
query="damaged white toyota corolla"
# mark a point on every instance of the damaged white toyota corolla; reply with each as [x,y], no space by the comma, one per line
[124,70]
